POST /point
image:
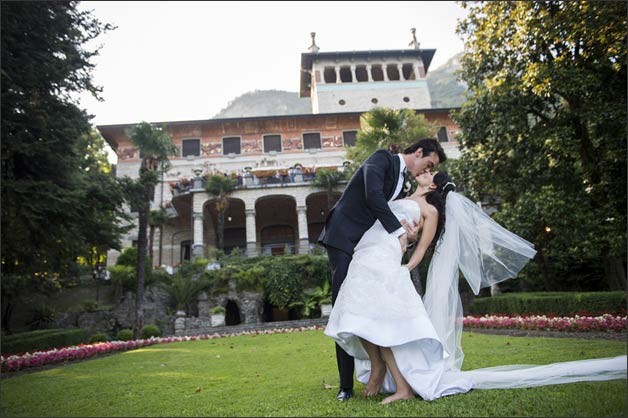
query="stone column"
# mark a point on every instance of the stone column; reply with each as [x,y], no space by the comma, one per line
[420,70]
[385,71]
[400,70]
[251,234]
[197,249]
[337,68]
[203,305]
[369,67]
[179,323]
[321,79]
[354,78]
[304,240]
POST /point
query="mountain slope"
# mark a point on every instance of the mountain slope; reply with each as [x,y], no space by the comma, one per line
[266,103]
[444,90]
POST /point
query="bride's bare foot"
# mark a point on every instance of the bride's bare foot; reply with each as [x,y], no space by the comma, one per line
[397,396]
[375,380]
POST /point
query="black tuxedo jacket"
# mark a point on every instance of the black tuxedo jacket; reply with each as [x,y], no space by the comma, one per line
[364,201]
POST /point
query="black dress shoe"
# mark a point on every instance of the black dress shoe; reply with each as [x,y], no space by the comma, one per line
[345,394]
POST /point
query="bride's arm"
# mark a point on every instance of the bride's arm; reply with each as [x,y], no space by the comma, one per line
[430,224]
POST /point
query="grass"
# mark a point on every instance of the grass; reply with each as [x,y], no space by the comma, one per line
[284,375]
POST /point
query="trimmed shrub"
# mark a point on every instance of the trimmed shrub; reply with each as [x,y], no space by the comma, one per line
[42,340]
[550,303]
[98,338]
[150,331]
[124,335]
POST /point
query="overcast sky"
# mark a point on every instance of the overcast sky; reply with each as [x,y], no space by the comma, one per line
[170,61]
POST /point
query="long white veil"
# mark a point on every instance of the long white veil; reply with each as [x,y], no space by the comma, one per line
[486,253]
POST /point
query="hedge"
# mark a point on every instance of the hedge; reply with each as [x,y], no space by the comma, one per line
[42,340]
[550,303]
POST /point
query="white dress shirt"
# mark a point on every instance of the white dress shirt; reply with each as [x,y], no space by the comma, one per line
[402,170]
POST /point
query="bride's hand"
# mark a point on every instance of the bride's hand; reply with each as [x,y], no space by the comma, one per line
[403,242]
[411,229]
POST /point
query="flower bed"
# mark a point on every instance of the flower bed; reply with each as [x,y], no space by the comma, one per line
[603,323]
[17,362]
[577,323]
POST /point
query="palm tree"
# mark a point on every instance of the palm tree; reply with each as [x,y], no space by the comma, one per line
[155,147]
[183,289]
[383,128]
[157,219]
[328,179]
[220,187]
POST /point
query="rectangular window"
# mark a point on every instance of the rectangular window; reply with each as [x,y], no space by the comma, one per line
[231,145]
[442,134]
[312,141]
[191,147]
[272,143]
[349,138]
[186,250]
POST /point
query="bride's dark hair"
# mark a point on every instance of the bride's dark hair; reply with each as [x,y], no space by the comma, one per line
[437,198]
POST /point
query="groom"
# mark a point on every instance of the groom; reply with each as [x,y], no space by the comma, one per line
[379,180]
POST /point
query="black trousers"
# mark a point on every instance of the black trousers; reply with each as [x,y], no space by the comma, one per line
[339,264]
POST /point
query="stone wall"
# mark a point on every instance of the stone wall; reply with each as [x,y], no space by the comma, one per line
[250,304]
[156,312]
[250,307]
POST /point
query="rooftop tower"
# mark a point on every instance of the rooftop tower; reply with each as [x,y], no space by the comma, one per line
[357,81]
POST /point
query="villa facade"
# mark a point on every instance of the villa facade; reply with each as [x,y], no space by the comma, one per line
[274,158]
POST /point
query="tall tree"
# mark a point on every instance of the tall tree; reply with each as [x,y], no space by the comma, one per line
[544,130]
[44,63]
[59,204]
[220,187]
[155,146]
[102,198]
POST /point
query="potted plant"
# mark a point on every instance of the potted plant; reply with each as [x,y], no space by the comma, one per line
[306,305]
[323,298]
[314,298]
[217,316]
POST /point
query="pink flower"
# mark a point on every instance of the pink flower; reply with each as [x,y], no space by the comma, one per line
[605,323]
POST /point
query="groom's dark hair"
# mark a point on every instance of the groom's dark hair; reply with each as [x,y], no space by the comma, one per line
[429,146]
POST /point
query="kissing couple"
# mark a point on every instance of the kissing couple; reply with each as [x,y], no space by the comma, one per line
[394,341]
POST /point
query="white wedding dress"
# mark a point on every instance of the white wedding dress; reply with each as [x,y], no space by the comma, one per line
[378,302]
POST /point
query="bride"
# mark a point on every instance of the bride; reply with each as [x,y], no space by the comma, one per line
[409,347]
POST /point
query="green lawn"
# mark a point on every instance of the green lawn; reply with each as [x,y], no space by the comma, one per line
[283,375]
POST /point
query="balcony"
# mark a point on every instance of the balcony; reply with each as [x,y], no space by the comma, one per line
[257,178]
